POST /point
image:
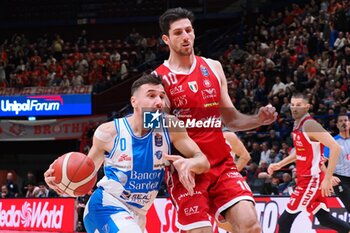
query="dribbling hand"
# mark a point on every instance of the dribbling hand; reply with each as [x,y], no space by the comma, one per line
[50,179]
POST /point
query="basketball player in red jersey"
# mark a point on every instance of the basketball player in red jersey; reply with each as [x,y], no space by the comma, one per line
[313,184]
[197,90]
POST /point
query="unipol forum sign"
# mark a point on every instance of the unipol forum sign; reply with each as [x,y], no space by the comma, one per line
[45,105]
[38,214]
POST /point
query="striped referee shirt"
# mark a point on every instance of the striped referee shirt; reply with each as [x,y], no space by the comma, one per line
[343,165]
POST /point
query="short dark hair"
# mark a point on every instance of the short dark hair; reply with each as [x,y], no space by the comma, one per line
[301,95]
[341,115]
[146,79]
[172,15]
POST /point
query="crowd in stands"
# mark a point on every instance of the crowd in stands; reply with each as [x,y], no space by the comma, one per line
[29,187]
[300,48]
[47,62]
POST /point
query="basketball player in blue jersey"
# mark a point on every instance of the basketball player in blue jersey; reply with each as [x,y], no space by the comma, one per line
[134,163]
[342,170]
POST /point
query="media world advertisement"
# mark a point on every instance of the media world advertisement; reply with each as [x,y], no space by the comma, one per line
[45,105]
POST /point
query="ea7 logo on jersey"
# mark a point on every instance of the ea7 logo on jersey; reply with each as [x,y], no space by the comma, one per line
[176,90]
[191,210]
[209,93]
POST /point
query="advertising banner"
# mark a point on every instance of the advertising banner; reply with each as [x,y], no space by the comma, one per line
[162,216]
[58,214]
[45,105]
[86,89]
[38,214]
[57,129]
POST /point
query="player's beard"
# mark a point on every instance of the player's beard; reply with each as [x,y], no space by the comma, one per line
[183,51]
[186,52]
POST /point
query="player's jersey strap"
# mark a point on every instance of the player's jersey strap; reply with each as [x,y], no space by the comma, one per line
[309,153]
[134,168]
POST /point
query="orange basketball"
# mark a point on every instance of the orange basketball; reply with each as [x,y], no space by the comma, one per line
[74,173]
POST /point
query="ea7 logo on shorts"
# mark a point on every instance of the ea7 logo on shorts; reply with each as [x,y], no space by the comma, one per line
[191,210]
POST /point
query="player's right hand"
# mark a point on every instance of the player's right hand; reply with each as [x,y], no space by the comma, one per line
[183,167]
[50,179]
[273,167]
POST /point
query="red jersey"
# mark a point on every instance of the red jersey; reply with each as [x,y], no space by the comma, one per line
[309,153]
[196,96]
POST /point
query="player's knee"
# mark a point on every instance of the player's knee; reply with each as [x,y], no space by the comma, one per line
[252,226]
[249,225]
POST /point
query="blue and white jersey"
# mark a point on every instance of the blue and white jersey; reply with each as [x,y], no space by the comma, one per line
[343,165]
[134,168]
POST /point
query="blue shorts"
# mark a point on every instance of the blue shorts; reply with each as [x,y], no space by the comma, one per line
[104,213]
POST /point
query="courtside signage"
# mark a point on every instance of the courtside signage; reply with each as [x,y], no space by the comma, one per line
[45,105]
[40,214]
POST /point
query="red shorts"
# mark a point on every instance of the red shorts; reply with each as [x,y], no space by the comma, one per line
[215,191]
[307,196]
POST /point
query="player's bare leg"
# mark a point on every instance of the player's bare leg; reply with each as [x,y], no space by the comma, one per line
[201,230]
[226,226]
[243,218]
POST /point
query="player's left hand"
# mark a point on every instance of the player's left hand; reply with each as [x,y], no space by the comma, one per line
[326,187]
[267,114]
[50,179]
[335,180]
[183,167]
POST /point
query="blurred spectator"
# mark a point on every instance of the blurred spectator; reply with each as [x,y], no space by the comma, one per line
[277,88]
[42,190]
[57,47]
[273,157]
[270,185]
[285,108]
[11,185]
[255,153]
[265,152]
[5,192]
[284,187]
[30,178]
[82,39]
[65,83]
[77,79]
[32,189]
